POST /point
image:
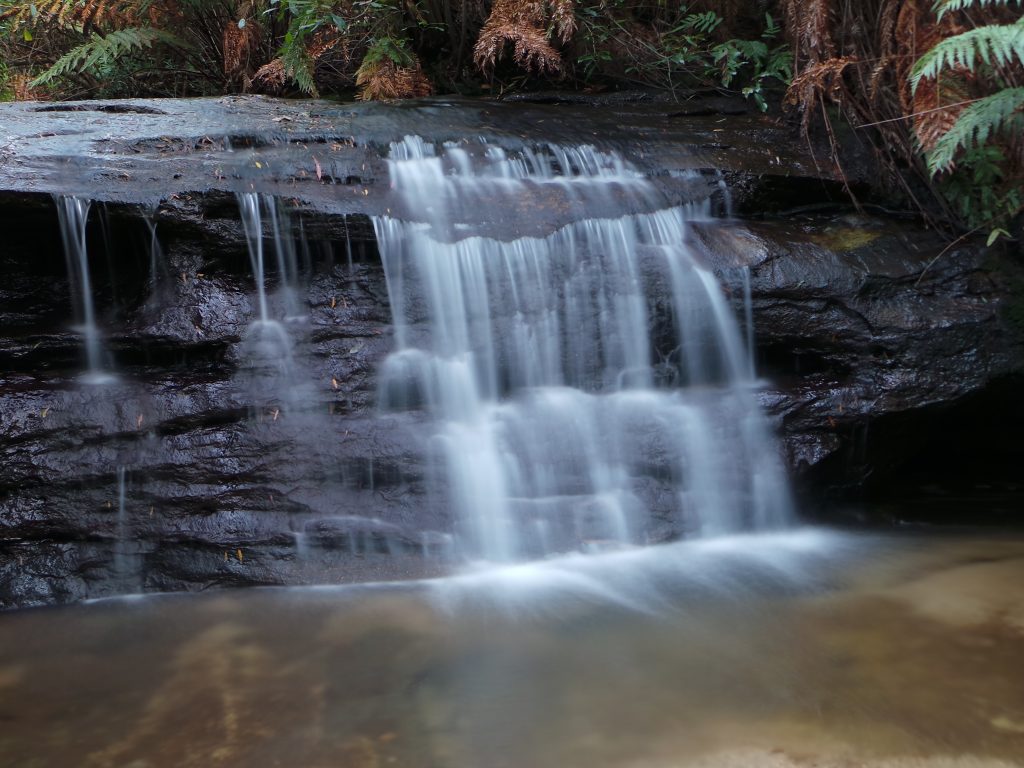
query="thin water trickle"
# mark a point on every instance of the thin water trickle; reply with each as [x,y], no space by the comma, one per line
[121,554]
[748,319]
[73,214]
[533,357]
[156,253]
[269,345]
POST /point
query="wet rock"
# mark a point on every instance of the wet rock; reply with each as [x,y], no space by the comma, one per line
[238,471]
[870,326]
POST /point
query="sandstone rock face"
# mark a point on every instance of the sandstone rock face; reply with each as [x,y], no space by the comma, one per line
[198,466]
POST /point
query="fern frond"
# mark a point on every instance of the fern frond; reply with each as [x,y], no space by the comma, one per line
[100,51]
[942,7]
[299,67]
[999,113]
[525,26]
[994,44]
[937,106]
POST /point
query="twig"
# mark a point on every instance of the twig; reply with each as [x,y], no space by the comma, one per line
[918,114]
[942,253]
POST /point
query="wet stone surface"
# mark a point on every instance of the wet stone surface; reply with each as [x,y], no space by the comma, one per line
[237,472]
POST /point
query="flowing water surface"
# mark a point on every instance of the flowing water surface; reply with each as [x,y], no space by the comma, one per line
[807,648]
[567,421]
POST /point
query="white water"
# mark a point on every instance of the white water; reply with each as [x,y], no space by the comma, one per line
[552,428]
[73,213]
[269,347]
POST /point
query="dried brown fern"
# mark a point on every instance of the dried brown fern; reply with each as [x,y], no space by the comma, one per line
[809,28]
[92,14]
[238,46]
[936,107]
[270,79]
[525,26]
[23,90]
[385,80]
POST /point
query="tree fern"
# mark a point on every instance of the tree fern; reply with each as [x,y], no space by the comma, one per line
[942,7]
[998,113]
[994,44]
[100,51]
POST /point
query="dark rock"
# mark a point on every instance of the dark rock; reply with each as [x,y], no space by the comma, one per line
[236,472]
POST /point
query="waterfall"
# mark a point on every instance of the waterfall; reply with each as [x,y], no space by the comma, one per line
[269,345]
[552,425]
[73,213]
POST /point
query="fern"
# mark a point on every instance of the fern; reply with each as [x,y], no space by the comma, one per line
[299,67]
[942,7]
[998,113]
[994,44]
[101,51]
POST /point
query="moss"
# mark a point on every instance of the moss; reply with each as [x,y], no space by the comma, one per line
[845,239]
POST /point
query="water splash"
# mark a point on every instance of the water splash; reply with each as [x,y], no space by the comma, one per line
[532,355]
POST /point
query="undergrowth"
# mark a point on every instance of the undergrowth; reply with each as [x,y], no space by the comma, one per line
[935,87]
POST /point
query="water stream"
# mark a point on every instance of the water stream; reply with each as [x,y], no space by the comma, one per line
[553,428]
[73,214]
[623,584]
[796,650]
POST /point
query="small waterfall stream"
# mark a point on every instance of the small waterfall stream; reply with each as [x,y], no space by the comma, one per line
[269,346]
[552,427]
[73,213]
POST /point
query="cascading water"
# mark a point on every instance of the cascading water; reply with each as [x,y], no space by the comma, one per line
[269,346]
[552,427]
[73,213]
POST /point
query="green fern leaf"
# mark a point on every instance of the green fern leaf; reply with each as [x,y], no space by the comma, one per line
[942,7]
[994,44]
[100,51]
[998,113]
[299,67]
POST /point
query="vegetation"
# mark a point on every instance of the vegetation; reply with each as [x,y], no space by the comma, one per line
[936,87]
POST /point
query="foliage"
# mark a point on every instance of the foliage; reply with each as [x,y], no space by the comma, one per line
[6,87]
[100,52]
[933,87]
[384,48]
[995,45]
[977,152]
[754,58]
[687,47]
[527,27]
[390,71]
[999,113]
[128,47]
[363,43]
[942,7]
